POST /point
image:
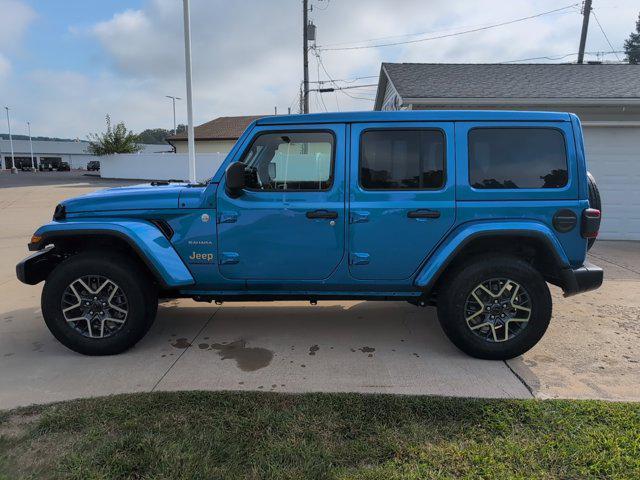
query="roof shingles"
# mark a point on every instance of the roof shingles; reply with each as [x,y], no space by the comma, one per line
[442,80]
[222,128]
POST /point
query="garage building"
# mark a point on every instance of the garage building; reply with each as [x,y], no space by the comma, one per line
[606,97]
[48,151]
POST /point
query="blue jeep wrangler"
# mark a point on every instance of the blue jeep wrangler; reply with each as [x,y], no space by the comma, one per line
[470,211]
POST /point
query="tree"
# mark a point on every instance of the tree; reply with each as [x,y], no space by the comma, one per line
[153,135]
[158,135]
[632,45]
[115,140]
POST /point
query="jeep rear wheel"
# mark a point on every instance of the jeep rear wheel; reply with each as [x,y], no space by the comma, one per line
[495,307]
[98,304]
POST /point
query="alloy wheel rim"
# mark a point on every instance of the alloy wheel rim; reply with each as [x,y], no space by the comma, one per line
[95,306]
[498,309]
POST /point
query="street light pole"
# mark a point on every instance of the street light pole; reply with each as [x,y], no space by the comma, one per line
[13,159]
[187,57]
[175,130]
[33,162]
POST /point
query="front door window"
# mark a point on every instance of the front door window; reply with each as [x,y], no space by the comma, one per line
[293,161]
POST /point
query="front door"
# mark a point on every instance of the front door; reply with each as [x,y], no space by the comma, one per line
[289,223]
[401,197]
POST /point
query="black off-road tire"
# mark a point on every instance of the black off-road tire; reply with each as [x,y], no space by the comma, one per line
[595,201]
[140,293]
[458,284]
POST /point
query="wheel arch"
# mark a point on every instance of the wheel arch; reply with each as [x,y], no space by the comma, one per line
[532,241]
[140,240]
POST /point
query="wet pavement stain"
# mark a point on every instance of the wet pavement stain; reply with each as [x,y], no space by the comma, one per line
[367,350]
[313,349]
[248,359]
[203,346]
[181,343]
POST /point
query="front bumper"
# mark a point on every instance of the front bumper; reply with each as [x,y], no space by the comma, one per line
[582,279]
[37,266]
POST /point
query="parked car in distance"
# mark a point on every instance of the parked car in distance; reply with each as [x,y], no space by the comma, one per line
[53,163]
[93,166]
[473,212]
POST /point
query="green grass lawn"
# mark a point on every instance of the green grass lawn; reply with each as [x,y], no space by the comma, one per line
[268,435]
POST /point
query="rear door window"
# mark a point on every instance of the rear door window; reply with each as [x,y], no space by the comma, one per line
[402,159]
[516,158]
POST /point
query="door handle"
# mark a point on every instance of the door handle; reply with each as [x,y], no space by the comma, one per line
[423,214]
[326,214]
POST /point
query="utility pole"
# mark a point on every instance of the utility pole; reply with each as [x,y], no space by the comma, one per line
[305,56]
[586,13]
[187,56]
[33,162]
[173,99]
[13,158]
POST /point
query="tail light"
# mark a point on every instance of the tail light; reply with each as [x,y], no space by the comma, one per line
[590,223]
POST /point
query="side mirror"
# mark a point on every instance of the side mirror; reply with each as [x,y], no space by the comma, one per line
[235,179]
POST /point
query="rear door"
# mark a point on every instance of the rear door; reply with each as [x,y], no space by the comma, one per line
[401,198]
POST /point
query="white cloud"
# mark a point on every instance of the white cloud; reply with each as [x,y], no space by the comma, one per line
[247,55]
[5,66]
[16,17]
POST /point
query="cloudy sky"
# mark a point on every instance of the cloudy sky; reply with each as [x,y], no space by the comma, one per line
[64,64]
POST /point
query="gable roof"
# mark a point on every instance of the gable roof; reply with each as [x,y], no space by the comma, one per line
[510,81]
[222,128]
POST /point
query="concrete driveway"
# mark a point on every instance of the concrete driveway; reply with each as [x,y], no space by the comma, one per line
[590,351]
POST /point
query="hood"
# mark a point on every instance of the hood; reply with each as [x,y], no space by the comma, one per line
[137,197]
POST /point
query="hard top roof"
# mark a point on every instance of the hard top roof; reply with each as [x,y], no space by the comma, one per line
[416,116]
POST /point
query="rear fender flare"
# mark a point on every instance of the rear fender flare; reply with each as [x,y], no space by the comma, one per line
[462,236]
[146,240]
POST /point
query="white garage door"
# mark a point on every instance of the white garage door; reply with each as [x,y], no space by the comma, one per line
[613,156]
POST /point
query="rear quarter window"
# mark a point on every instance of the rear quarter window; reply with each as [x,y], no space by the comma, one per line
[515,158]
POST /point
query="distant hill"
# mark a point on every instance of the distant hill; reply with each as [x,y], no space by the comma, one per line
[5,136]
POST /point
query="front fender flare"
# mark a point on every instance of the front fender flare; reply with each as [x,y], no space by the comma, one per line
[153,248]
[455,242]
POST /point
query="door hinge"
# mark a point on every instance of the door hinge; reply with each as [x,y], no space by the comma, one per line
[359,258]
[229,258]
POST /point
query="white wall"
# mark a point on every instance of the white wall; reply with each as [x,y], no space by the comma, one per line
[158,166]
[206,146]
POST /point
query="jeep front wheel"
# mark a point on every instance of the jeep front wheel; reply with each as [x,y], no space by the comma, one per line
[496,307]
[98,304]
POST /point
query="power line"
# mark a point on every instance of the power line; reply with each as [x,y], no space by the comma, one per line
[495,25]
[560,57]
[416,34]
[321,63]
[605,35]
[346,81]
